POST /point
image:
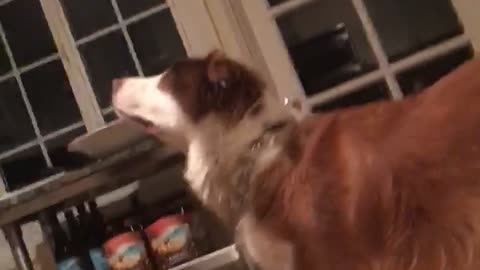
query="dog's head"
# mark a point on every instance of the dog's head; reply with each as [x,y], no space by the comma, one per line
[190,91]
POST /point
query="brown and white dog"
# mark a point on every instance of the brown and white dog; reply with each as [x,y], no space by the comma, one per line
[387,186]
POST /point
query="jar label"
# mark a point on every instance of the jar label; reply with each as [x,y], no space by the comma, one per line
[72,263]
[98,259]
[171,240]
[127,253]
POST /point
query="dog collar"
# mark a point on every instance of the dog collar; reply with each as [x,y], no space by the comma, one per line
[268,136]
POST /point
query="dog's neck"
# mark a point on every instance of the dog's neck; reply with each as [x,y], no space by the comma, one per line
[218,156]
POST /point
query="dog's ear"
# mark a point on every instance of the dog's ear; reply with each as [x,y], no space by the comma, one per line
[233,87]
[219,68]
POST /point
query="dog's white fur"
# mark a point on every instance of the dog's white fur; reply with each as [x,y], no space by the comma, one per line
[212,151]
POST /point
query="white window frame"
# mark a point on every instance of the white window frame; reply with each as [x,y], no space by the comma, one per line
[193,24]
[467,11]
[263,35]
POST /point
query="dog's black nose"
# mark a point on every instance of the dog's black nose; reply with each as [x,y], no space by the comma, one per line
[117,84]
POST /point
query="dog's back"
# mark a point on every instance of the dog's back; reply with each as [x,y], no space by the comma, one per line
[391,185]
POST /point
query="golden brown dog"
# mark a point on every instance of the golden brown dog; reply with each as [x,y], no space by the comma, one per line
[387,186]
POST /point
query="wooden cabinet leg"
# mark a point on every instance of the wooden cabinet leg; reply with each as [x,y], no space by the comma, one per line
[14,237]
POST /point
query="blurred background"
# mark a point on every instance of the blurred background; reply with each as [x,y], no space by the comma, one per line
[58,57]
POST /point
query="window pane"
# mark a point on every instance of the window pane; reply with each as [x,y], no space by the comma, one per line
[23,168]
[327,43]
[409,25]
[27,31]
[157,42]
[107,58]
[58,152]
[109,117]
[14,120]
[88,16]
[369,94]
[4,62]
[129,8]
[51,97]
[421,77]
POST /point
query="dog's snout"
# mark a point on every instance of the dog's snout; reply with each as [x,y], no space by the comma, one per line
[117,85]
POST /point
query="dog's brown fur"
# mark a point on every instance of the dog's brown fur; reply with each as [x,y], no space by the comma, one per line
[387,186]
[391,185]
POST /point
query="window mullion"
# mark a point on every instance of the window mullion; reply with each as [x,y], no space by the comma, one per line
[289,6]
[379,52]
[345,88]
[430,53]
[23,92]
[128,39]
[74,67]
[397,67]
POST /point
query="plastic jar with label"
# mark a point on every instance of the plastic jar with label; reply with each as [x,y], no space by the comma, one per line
[170,240]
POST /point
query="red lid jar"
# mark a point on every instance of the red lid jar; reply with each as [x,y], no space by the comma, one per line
[170,240]
[126,252]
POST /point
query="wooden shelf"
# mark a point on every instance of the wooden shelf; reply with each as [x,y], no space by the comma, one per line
[139,161]
[215,260]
